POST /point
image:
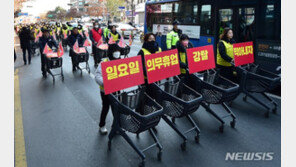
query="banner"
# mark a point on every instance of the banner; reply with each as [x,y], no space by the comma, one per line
[60,50]
[86,43]
[46,49]
[52,54]
[200,58]
[100,42]
[162,65]
[76,47]
[121,74]
[121,43]
[80,50]
[111,40]
[243,53]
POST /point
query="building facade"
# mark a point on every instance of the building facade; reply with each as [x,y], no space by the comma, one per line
[135,11]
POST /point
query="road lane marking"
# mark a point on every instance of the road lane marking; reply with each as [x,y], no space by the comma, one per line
[19,141]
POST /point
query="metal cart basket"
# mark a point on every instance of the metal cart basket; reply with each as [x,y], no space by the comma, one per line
[135,112]
[178,100]
[54,63]
[257,80]
[215,89]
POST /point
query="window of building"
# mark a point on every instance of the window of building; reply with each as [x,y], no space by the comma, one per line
[269,32]
[206,26]
[186,12]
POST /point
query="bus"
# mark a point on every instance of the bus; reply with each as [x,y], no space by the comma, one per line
[204,20]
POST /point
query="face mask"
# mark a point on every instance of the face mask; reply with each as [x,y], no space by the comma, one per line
[96,26]
[185,43]
[151,43]
[116,55]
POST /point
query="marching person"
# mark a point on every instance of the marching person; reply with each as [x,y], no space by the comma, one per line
[64,30]
[75,36]
[25,37]
[173,37]
[225,54]
[182,45]
[114,34]
[58,30]
[116,37]
[149,47]
[81,31]
[107,29]
[43,40]
[95,36]
[115,54]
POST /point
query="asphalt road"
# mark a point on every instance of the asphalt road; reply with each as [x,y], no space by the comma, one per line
[60,124]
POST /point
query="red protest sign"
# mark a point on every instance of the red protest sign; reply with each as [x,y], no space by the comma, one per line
[162,65]
[200,58]
[243,53]
[121,74]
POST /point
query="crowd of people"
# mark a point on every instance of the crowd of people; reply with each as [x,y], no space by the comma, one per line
[68,34]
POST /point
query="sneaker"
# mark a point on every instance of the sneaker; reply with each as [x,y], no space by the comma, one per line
[103,130]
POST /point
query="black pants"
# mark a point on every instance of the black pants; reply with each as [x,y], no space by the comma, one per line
[26,48]
[95,54]
[105,109]
[227,72]
[43,64]
[73,59]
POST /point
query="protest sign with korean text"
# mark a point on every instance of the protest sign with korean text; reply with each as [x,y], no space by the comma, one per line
[200,58]
[162,65]
[243,53]
[121,74]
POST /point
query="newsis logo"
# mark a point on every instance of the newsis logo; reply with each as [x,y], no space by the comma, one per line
[249,156]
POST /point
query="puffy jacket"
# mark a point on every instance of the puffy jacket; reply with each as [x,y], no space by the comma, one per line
[50,42]
[73,38]
[25,37]
[99,76]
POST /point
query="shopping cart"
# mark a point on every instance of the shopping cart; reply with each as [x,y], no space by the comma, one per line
[54,63]
[82,57]
[215,89]
[254,79]
[178,101]
[100,52]
[125,51]
[134,111]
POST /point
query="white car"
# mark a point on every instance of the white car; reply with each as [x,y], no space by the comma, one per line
[126,29]
[140,28]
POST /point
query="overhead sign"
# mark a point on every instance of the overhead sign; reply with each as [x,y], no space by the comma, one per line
[121,7]
[121,74]
[162,65]
[164,29]
[243,53]
[200,58]
[22,14]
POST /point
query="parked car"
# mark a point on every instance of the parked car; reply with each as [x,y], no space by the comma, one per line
[125,29]
[140,28]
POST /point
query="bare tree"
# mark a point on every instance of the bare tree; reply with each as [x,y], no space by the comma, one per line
[112,7]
